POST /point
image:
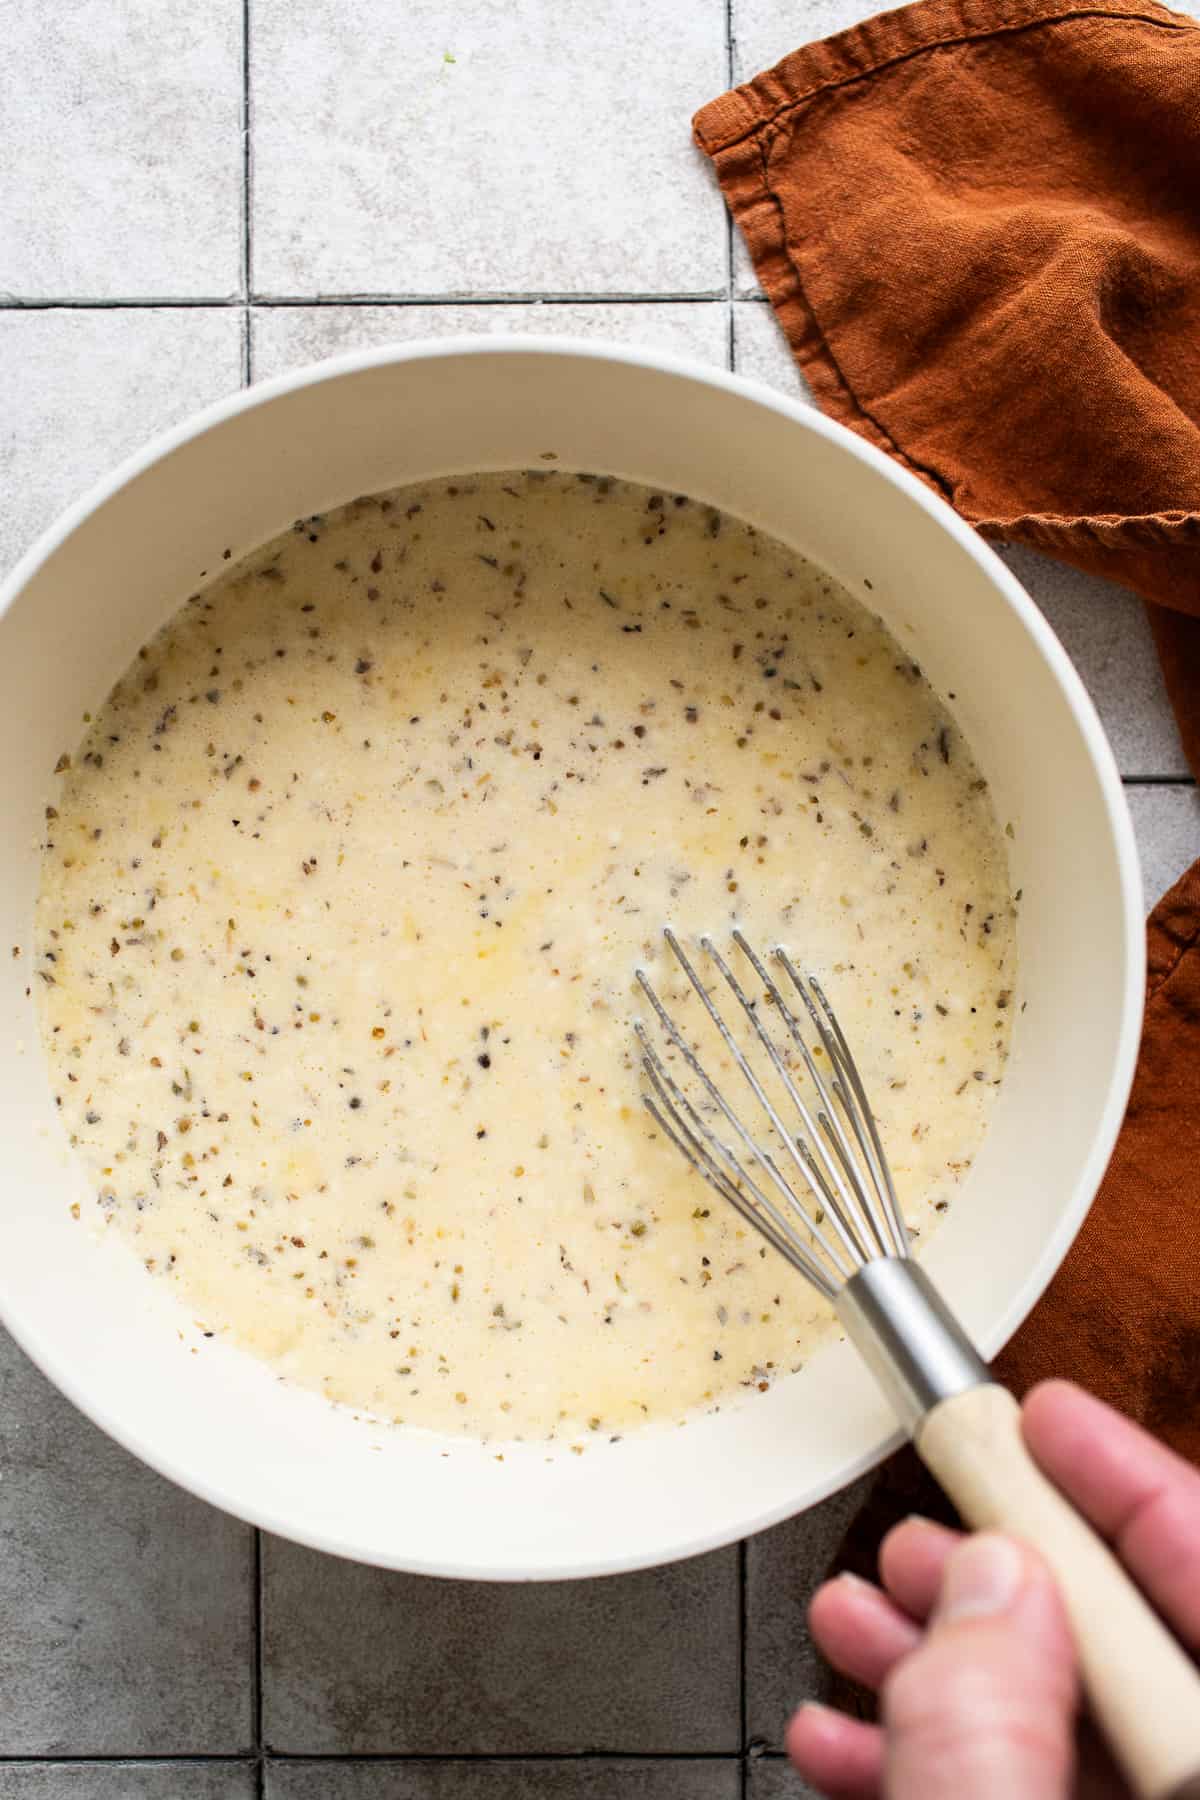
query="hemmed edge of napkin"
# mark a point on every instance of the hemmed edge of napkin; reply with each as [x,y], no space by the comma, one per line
[893,37]
[737,131]
[1172,930]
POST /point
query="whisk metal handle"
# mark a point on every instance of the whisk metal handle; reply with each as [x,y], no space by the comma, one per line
[1143,1690]
[908,1337]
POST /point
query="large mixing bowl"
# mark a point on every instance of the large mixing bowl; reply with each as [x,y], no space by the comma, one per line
[75,612]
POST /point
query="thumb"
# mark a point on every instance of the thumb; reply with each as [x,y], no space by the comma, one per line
[984,1707]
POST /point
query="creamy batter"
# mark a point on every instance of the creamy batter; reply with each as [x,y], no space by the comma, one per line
[342,896]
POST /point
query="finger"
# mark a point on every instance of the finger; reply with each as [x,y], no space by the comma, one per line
[912,1561]
[841,1756]
[859,1630]
[1136,1492]
[986,1704]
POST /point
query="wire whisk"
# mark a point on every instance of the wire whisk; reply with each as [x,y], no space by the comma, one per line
[854,1214]
[813,1178]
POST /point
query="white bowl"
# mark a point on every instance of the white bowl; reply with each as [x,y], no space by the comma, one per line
[113,569]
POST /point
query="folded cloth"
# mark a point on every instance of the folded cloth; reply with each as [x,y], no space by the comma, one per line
[979,224]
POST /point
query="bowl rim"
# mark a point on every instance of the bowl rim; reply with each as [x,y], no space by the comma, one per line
[64,1372]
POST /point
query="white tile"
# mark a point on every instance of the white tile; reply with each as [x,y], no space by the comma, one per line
[1106,633]
[484,148]
[286,337]
[84,388]
[764,31]
[1167,823]
[746,284]
[761,351]
[122,150]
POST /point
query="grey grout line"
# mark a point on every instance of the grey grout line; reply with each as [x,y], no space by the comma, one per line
[246,152]
[151,1758]
[743,1696]
[596,297]
[247,197]
[473,1756]
[12,303]
[729,72]
[256,1695]
[337,1757]
[701,297]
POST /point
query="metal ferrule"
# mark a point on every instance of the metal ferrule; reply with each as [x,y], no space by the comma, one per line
[908,1337]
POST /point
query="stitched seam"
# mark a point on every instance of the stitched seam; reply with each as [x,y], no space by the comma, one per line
[1189,943]
[944,43]
[1105,521]
[902,455]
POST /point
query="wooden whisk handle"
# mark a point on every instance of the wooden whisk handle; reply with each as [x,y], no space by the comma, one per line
[1143,1690]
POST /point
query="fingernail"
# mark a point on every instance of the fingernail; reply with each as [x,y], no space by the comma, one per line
[847,1578]
[983,1576]
[820,1718]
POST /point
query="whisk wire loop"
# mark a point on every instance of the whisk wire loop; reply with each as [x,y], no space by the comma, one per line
[686,1112]
[823,1178]
[868,1240]
[850,1216]
[768,1222]
[705,1145]
[859,1114]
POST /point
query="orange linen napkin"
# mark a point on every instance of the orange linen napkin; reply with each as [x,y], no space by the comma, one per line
[979,224]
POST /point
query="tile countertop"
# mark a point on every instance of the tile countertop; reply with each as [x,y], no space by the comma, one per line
[195,198]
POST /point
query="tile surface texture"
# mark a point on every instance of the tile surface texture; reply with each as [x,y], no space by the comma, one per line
[561,1666]
[503,167]
[128,1781]
[784,1567]
[84,389]
[773,1778]
[760,350]
[572,1778]
[122,150]
[128,1604]
[482,148]
[1166,821]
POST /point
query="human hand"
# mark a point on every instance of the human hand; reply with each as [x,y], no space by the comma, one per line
[967,1643]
